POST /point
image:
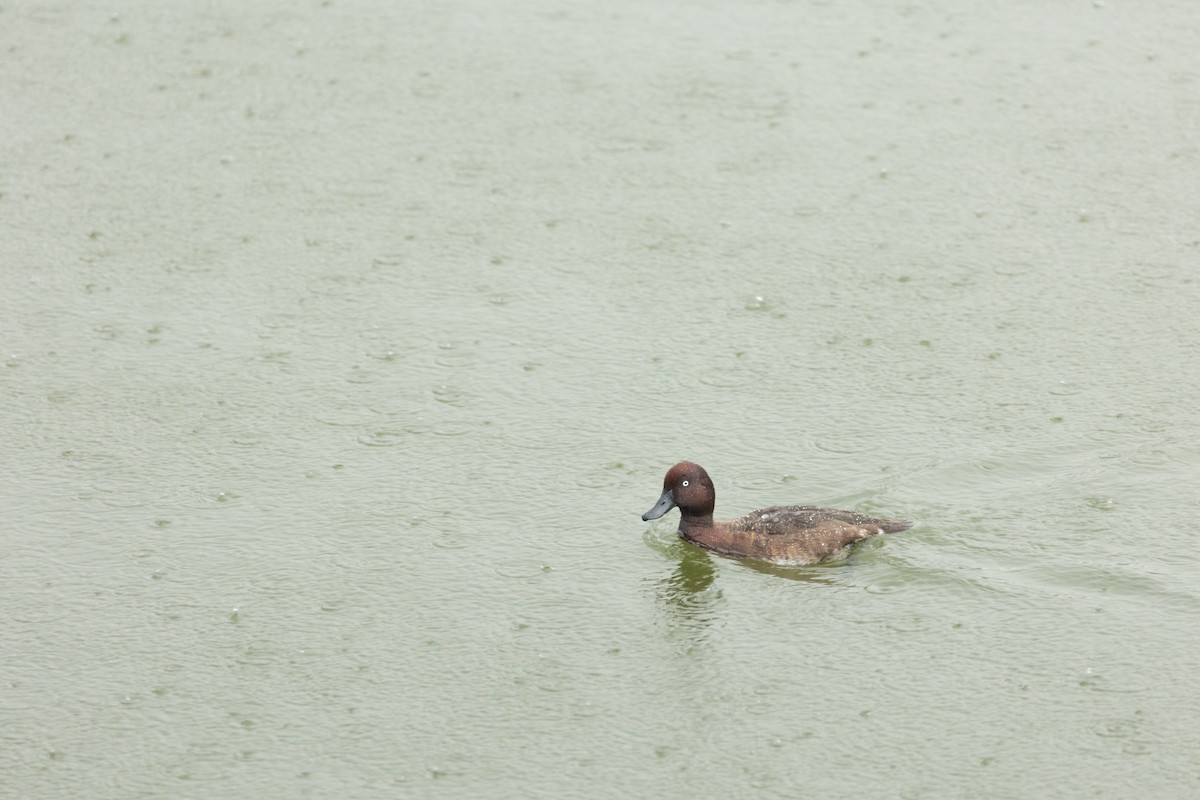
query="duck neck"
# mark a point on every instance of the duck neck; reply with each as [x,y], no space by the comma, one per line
[694,524]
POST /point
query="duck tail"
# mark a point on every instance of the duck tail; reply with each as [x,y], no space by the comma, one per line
[894,525]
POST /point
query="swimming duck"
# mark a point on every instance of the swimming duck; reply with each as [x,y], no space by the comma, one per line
[779,534]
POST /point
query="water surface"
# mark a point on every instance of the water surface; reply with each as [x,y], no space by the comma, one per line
[345,342]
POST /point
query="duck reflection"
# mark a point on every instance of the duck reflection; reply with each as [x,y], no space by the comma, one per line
[696,571]
[687,592]
[804,574]
[693,576]
[690,594]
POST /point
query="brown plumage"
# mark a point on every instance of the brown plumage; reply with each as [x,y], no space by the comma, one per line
[779,534]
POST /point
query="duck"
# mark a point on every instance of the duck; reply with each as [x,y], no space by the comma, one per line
[785,535]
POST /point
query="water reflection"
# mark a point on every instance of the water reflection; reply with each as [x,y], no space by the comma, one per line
[687,592]
[692,577]
[692,598]
[696,571]
[807,574]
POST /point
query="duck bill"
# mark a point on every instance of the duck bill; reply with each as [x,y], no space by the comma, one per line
[664,504]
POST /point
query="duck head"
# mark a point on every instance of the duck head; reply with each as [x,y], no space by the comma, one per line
[688,487]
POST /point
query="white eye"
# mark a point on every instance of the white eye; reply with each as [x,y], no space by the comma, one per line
[684,483]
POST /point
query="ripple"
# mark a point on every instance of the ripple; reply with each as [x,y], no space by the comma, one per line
[1100,683]
[279,321]
[1155,276]
[906,623]
[389,437]
[524,569]
[455,360]
[389,260]
[382,438]
[208,498]
[758,303]
[390,354]
[613,476]
[845,446]
[1066,389]
[629,144]
[1116,728]
[1150,457]
[1013,270]
[346,416]
[335,285]
[728,378]
[759,485]
[448,540]
[767,107]
[90,461]
[35,614]
[361,377]
[889,585]
[447,428]
[664,539]
[450,395]
[116,497]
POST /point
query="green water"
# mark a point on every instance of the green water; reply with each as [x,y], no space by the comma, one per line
[344,343]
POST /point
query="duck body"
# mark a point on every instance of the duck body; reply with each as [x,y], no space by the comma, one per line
[788,535]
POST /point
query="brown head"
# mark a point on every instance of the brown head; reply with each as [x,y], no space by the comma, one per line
[688,487]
